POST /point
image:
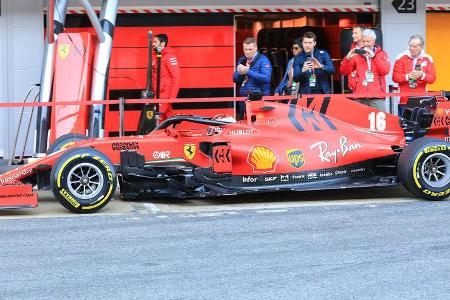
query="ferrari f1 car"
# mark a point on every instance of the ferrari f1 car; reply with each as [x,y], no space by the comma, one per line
[310,143]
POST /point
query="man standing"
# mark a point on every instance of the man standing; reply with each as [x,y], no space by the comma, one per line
[312,67]
[413,70]
[169,73]
[253,73]
[357,43]
[287,84]
[370,66]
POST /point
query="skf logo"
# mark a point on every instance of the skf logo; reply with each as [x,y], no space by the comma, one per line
[189,150]
[150,114]
[262,159]
[296,157]
[63,50]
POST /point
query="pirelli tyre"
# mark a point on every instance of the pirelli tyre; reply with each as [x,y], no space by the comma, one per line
[83,180]
[424,168]
[65,141]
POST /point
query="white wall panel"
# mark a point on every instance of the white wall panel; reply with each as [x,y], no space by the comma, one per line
[21,48]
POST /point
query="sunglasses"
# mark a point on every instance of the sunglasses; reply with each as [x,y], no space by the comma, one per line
[295,48]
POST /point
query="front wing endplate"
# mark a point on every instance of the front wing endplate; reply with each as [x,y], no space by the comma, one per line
[17,196]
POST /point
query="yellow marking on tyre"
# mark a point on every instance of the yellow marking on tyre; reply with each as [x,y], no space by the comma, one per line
[415,170]
[108,169]
[58,182]
[69,198]
[435,148]
[66,145]
[101,202]
[110,177]
[436,194]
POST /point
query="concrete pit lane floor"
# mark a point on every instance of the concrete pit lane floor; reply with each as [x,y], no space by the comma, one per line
[48,207]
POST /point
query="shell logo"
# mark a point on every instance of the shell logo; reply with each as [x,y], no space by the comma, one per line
[440,111]
[262,159]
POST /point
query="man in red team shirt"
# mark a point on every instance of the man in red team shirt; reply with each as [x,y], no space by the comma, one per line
[413,70]
[370,67]
[169,73]
[357,43]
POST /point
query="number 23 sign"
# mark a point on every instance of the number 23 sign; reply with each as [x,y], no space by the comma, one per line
[405,6]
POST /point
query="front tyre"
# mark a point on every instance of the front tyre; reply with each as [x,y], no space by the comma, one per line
[424,168]
[83,180]
[65,141]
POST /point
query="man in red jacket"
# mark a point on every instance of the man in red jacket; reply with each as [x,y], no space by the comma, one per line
[357,43]
[413,70]
[370,68]
[169,77]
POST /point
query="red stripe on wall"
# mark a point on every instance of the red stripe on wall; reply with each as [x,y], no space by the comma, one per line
[210,35]
[190,78]
[187,57]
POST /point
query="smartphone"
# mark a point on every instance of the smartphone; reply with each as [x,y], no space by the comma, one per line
[360,51]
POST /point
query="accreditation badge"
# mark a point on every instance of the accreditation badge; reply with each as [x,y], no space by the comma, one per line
[312,80]
[369,76]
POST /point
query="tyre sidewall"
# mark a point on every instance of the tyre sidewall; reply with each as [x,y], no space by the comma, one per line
[65,141]
[67,162]
[410,170]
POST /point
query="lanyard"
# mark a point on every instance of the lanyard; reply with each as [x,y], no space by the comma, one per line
[312,56]
[414,62]
[369,64]
[416,58]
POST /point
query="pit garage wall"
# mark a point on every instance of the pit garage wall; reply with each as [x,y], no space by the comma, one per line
[396,41]
[21,48]
[438,45]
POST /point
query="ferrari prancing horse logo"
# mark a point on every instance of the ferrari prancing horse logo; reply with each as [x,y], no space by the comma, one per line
[189,150]
[63,50]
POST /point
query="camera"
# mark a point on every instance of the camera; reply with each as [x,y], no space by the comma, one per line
[360,51]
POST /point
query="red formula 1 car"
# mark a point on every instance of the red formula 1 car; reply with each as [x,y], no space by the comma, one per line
[310,143]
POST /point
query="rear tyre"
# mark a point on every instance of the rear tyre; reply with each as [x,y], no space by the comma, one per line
[65,141]
[424,168]
[83,180]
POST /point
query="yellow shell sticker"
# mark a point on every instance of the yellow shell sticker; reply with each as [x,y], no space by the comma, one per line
[262,159]
[150,114]
[259,116]
[189,150]
[63,50]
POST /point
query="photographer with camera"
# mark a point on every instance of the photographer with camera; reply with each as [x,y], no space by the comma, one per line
[413,70]
[313,67]
[358,44]
[288,86]
[370,66]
